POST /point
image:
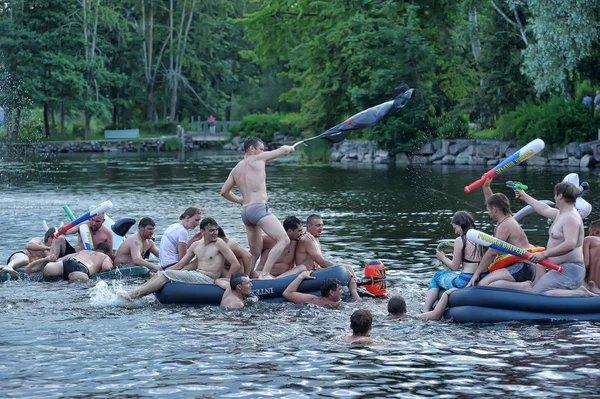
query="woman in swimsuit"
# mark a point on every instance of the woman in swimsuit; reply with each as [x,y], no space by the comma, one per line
[465,252]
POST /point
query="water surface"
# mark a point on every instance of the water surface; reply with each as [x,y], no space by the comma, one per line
[77,340]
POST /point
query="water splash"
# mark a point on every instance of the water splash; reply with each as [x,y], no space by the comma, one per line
[102,295]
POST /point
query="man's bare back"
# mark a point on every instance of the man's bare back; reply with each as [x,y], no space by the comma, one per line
[94,260]
[591,256]
[308,253]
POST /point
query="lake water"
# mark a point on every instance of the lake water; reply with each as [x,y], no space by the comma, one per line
[77,340]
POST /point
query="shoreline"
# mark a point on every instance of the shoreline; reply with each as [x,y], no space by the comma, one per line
[443,152]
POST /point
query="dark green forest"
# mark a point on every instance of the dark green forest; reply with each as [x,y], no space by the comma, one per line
[501,69]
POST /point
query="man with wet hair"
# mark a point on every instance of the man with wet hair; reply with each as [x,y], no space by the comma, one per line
[211,253]
[81,265]
[565,243]
[519,275]
[249,175]
[397,307]
[331,291]
[361,323]
[133,249]
[285,265]
[240,287]
[244,257]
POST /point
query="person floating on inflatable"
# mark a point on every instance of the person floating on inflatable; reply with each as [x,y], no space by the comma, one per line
[507,229]
[466,254]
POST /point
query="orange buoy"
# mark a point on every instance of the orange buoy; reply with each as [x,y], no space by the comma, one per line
[375,280]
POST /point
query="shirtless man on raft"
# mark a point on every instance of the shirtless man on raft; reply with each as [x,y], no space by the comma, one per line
[509,230]
[133,248]
[249,175]
[211,252]
[285,265]
[81,265]
[36,248]
[591,257]
[565,243]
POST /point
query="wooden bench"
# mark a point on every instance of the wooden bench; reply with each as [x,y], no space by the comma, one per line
[122,134]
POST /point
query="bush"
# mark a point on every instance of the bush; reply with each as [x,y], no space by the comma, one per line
[264,126]
[557,121]
[452,127]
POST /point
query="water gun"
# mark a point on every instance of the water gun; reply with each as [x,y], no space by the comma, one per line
[516,185]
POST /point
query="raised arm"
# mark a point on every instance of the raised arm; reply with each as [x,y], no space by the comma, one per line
[539,207]
[226,190]
[291,293]
[487,189]
[271,155]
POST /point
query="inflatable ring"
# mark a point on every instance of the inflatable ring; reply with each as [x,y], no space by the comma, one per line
[443,246]
[506,260]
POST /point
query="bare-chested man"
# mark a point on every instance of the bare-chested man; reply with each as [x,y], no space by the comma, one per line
[82,265]
[100,233]
[331,291]
[211,252]
[565,244]
[591,257]
[249,175]
[516,276]
[308,251]
[285,265]
[37,248]
[133,248]
[240,286]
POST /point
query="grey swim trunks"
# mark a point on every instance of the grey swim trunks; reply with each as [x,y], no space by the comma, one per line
[522,271]
[252,213]
[571,278]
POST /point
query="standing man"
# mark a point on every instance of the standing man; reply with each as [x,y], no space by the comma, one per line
[285,265]
[519,275]
[249,175]
[133,248]
[211,253]
[565,243]
[240,287]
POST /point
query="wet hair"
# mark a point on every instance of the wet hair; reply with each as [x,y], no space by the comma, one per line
[236,279]
[291,223]
[221,232]
[361,322]
[328,285]
[49,233]
[499,201]
[103,247]
[146,222]
[568,191]
[397,305]
[191,212]
[594,225]
[208,222]
[252,142]
[463,219]
[312,218]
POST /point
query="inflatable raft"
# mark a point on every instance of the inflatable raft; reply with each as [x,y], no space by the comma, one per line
[265,290]
[118,273]
[490,305]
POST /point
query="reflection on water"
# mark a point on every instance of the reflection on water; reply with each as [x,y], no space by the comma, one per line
[78,340]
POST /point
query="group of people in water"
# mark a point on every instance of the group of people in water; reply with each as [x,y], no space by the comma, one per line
[283,249]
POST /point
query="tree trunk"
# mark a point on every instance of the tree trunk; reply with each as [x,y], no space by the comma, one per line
[17,122]
[53,123]
[46,124]
[150,102]
[87,133]
[8,122]
[62,119]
